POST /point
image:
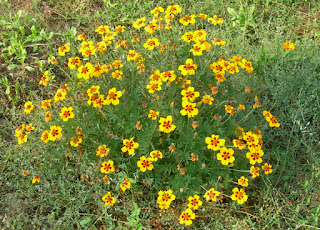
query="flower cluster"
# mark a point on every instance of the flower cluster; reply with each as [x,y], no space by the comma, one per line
[271,119]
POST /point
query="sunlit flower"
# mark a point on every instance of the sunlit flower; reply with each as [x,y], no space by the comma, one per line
[108,199]
[215,20]
[153,114]
[243,181]
[288,45]
[35,179]
[214,142]
[60,95]
[207,99]
[166,125]
[129,146]
[145,163]
[66,113]
[125,184]
[226,156]
[189,109]
[139,23]
[189,68]
[211,195]
[173,9]
[188,20]
[151,43]
[62,50]
[47,116]
[190,94]
[194,202]
[55,133]
[239,195]
[165,198]
[45,104]
[107,167]
[102,29]
[102,151]
[113,96]
[255,156]
[186,217]
[267,168]
[45,79]
[74,63]
[28,107]
[155,155]
[254,171]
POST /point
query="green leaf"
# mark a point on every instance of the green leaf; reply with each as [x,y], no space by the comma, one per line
[12,66]
[8,90]
[85,221]
[29,68]
[232,12]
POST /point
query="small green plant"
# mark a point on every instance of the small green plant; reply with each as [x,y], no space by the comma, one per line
[4,81]
[244,17]
[19,38]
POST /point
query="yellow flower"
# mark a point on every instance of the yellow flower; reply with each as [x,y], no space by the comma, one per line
[139,23]
[165,198]
[102,151]
[188,20]
[28,107]
[189,109]
[145,163]
[62,50]
[109,200]
[129,146]
[66,113]
[35,179]
[211,195]
[288,45]
[267,168]
[47,116]
[243,181]
[189,68]
[60,95]
[215,20]
[81,37]
[190,94]
[255,156]
[175,9]
[120,28]
[74,62]
[186,217]
[214,142]
[117,64]
[153,114]
[117,74]
[102,29]
[166,125]
[156,11]
[55,133]
[85,71]
[113,96]
[154,86]
[45,104]
[125,184]
[45,79]
[254,171]
[151,43]
[155,155]
[226,156]
[22,138]
[207,99]
[239,195]
[107,167]
[194,202]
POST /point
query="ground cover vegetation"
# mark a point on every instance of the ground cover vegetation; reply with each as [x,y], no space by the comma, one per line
[176,115]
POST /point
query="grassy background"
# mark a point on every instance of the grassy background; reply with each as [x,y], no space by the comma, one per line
[285,81]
